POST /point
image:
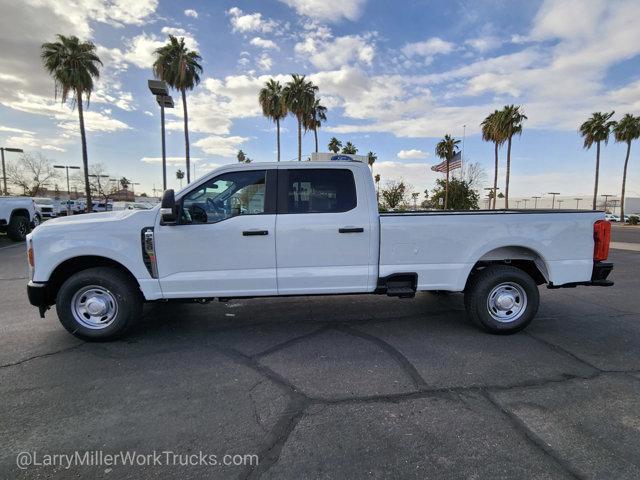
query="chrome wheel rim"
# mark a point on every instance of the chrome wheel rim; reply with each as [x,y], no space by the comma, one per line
[23,228]
[36,221]
[507,302]
[94,307]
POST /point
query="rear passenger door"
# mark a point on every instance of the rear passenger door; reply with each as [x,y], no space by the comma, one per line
[322,232]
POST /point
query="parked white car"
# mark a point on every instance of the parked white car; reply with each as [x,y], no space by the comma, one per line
[131,206]
[101,206]
[17,217]
[305,228]
[612,217]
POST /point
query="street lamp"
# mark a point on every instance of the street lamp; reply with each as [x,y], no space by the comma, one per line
[577,203]
[553,200]
[535,201]
[560,203]
[525,200]
[160,90]
[67,167]
[4,173]
[606,200]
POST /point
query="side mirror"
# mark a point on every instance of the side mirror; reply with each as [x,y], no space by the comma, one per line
[168,208]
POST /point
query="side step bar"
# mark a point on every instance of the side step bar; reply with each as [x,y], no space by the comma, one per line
[402,285]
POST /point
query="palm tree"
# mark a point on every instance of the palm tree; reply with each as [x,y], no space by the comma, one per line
[241,156]
[74,66]
[596,130]
[510,123]
[334,145]
[313,121]
[371,159]
[491,133]
[180,176]
[349,148]
[377,180]
[180,68]
[446,149]
[626,130]
[299,96]
[273,105]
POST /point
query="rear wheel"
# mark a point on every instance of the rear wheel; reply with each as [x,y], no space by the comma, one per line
[18,228]
[99,304]
[502,299]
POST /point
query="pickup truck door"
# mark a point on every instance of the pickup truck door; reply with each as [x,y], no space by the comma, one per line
[224,242]
[323,232]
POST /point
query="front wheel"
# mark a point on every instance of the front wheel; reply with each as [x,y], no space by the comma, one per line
[99,304]
[502,299]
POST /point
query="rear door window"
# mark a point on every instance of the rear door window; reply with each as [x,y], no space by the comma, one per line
[319,191]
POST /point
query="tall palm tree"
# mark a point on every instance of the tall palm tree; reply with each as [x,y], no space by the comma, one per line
[299,96]
[313,121]
[74,66]
[511,119]
[180,176]
[626,130]
[446,149]
[181,69]
[596,130]
[334,145]
[371,159]
[376,179]
[273,105]
[349,148]
[491,133]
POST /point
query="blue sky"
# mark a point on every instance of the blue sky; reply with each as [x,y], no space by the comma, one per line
[396,76]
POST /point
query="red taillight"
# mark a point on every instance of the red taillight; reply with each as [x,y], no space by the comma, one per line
[601,237]
[30,256]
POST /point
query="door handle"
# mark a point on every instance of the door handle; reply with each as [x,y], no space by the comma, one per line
[251,233]
[351,230]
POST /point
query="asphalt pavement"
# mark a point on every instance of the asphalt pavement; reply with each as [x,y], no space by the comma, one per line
[329,387]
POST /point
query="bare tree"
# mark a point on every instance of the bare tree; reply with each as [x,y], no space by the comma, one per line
[31,173]
[393,194]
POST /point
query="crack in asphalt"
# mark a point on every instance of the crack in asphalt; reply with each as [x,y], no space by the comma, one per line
[532,437]
[557,348]
[290,342]
[409,369]
[43,355]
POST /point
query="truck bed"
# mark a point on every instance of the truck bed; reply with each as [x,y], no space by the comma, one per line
[443,247]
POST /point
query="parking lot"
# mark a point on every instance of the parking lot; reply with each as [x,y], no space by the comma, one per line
[332,387]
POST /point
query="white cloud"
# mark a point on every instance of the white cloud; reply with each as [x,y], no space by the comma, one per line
[328,10]
[15,130]
[189,12]
[412,154]
[265,62]
[171,161]
[428,48]
[148,113]
[250,22]
[483,44]
[219,145]
[263,43]
[140,49]
[326,53]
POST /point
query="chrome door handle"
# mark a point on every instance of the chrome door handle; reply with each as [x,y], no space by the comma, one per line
[251,233]
[351,230]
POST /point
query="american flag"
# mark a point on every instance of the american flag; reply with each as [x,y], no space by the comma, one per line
[455,162]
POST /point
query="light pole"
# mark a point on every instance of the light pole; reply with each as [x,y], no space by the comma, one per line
[560,203]
[606,200]
[577,203]
[553,200]
[535,201]
[525,200]
[67,167]
[4,172]
[160,90]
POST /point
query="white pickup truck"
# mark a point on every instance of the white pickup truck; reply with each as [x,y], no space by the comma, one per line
[18,215]
[305,228]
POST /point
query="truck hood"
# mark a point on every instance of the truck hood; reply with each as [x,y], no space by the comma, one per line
[92,220]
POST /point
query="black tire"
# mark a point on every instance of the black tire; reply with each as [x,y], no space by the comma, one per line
[18,228]
[121,291]
[518,286]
